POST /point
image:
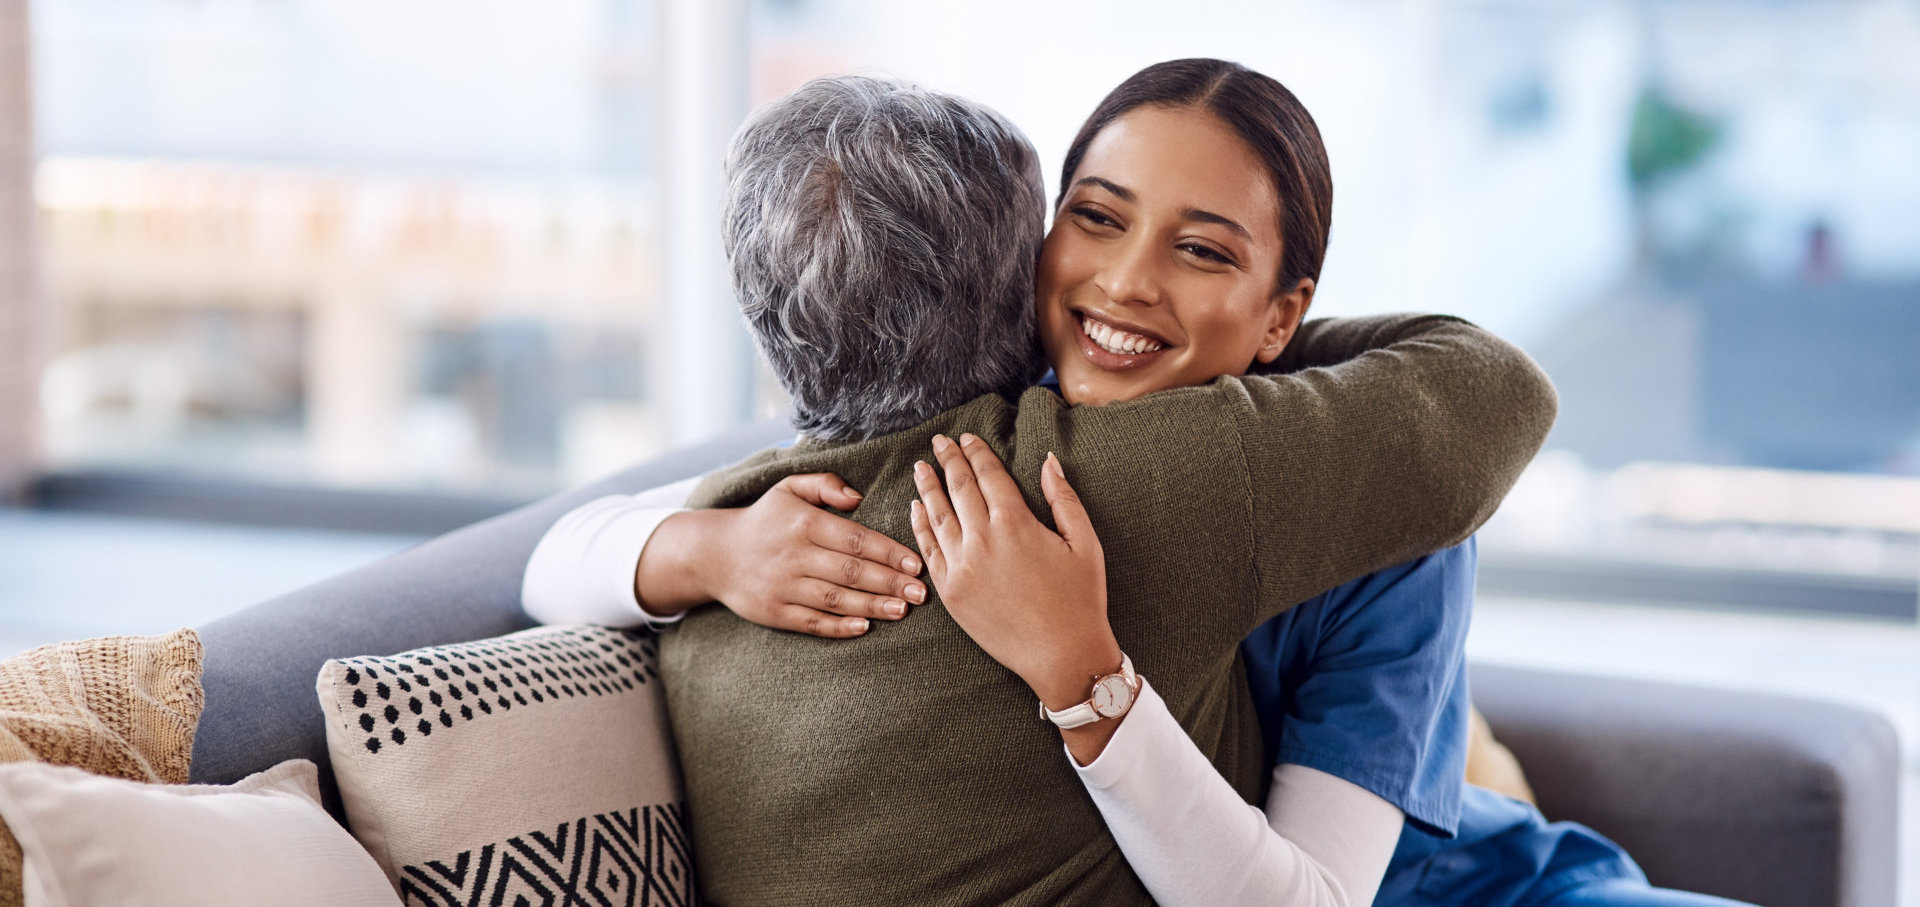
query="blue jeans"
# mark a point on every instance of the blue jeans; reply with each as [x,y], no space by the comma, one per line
[1629,893]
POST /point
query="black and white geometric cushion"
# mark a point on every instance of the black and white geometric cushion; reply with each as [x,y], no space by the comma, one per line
[531,769]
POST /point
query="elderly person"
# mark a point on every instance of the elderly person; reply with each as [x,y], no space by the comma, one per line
[864,230]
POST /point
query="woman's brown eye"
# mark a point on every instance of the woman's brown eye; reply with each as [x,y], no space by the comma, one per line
[1093,216]
[1207,253]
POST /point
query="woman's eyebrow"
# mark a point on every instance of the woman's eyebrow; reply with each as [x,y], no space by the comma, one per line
[1199,214]
[1125,194]
[1212,218]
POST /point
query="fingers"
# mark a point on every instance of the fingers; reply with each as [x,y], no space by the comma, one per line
[939,510]
[823,489]
[802,619]
[837,599]
[997,488]
[929,546]
[836,533]
[1069,515]
[962,485]
[859,574]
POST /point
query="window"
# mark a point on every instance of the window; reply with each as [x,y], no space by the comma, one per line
[1695,215]
[456,246]
[354,242]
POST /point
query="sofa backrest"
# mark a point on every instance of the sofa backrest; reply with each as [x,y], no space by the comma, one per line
[261,662]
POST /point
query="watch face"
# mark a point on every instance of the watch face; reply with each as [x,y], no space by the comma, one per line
[1112,696]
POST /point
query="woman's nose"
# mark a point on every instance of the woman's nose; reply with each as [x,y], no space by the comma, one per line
[1131,276]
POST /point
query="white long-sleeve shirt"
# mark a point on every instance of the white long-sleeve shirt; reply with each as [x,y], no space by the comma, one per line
[1322,841]
[582,571]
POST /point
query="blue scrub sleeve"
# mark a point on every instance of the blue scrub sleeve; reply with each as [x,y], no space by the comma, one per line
[1367,682]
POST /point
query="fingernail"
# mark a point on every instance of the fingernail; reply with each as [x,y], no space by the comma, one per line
[910,564]
[1053,463]
[916,593]
[896,609]
[859,624]
[941,442]
[855,493]
[968,439]
[920,468]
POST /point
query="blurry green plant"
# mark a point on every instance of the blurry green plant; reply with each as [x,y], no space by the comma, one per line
[1666,138]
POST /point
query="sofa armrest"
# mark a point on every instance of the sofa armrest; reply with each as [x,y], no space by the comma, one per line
[1770,799]
[261,663]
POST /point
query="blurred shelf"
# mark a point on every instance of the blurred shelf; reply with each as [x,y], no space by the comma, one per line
[223,499]
[1583,577]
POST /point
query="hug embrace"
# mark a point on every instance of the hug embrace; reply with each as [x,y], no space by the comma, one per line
[1106,492]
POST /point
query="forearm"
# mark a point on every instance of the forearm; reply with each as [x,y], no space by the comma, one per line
[1192,840]
[1400,451]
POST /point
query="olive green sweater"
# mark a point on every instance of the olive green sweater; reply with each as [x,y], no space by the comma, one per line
[908,767]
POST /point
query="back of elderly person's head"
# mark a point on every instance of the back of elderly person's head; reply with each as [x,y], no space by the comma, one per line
[882,238]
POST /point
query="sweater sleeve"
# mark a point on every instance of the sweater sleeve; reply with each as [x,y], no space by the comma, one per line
[1399,437]
[1323,841]
[582,571]
[1326,342]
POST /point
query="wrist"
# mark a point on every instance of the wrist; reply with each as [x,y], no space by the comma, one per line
[1067,679]
[673,575]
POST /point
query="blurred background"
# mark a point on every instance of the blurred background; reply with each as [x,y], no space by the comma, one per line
[330,276]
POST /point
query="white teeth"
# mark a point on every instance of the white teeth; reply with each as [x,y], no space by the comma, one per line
[1114,340]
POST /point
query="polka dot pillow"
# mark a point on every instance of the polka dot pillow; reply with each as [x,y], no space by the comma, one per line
[535,766]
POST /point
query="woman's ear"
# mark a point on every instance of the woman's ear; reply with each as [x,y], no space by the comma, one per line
[1283,319]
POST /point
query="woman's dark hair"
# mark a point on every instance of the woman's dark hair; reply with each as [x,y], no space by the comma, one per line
[1266,116]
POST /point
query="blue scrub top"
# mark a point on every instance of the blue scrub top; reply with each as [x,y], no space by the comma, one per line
[1368,682]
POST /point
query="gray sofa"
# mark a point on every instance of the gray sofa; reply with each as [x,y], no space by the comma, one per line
[1779,801]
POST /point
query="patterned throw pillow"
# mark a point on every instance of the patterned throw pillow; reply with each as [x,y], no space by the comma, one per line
[534,768]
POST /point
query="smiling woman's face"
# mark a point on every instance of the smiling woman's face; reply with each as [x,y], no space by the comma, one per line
[1160,270]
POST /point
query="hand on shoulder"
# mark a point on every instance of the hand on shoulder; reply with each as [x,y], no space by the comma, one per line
[784,562]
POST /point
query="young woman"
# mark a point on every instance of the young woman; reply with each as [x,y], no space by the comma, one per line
[1359,704]
[1186,245]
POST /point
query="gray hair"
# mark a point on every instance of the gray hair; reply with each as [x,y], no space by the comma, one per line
[883,239]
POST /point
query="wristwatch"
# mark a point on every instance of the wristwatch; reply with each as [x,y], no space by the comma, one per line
[1112,696]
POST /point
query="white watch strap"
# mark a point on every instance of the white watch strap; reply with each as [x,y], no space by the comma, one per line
[1083,714]
[1072,716]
